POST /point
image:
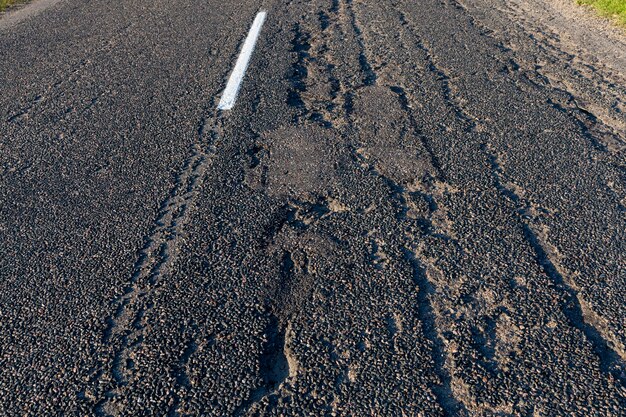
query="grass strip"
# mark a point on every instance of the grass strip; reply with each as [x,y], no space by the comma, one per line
[613,9]
[7,3]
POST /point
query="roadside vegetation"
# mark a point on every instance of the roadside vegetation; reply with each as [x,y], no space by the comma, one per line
[7,3]
[613,9]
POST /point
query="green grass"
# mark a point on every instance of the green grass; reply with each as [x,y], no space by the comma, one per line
[6,3]
[614,9]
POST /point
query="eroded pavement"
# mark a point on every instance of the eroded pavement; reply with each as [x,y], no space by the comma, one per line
[401,216]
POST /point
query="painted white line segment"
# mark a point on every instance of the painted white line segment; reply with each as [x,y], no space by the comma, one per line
[229,96]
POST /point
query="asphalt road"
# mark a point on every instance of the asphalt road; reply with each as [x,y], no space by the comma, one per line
[399,217]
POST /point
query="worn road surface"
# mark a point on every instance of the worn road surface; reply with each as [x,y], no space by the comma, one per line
[401,216]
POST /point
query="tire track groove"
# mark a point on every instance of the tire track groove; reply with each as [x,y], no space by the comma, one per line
[607,348]
[443,392]
[276,364]
[125,328]
[342,16]
[581,318]
[370,75]
[179,370]
[450,405]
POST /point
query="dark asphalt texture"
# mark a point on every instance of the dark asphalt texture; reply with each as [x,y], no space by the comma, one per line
[399,217]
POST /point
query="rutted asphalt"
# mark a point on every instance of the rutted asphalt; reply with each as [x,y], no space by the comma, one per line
[400,216]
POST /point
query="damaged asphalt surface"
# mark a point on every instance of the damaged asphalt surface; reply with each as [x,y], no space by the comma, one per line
[400,217]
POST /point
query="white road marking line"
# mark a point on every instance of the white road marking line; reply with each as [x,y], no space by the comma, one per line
[229,96]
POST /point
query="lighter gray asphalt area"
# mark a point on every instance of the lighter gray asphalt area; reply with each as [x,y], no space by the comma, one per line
[15,15]
[410,210]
